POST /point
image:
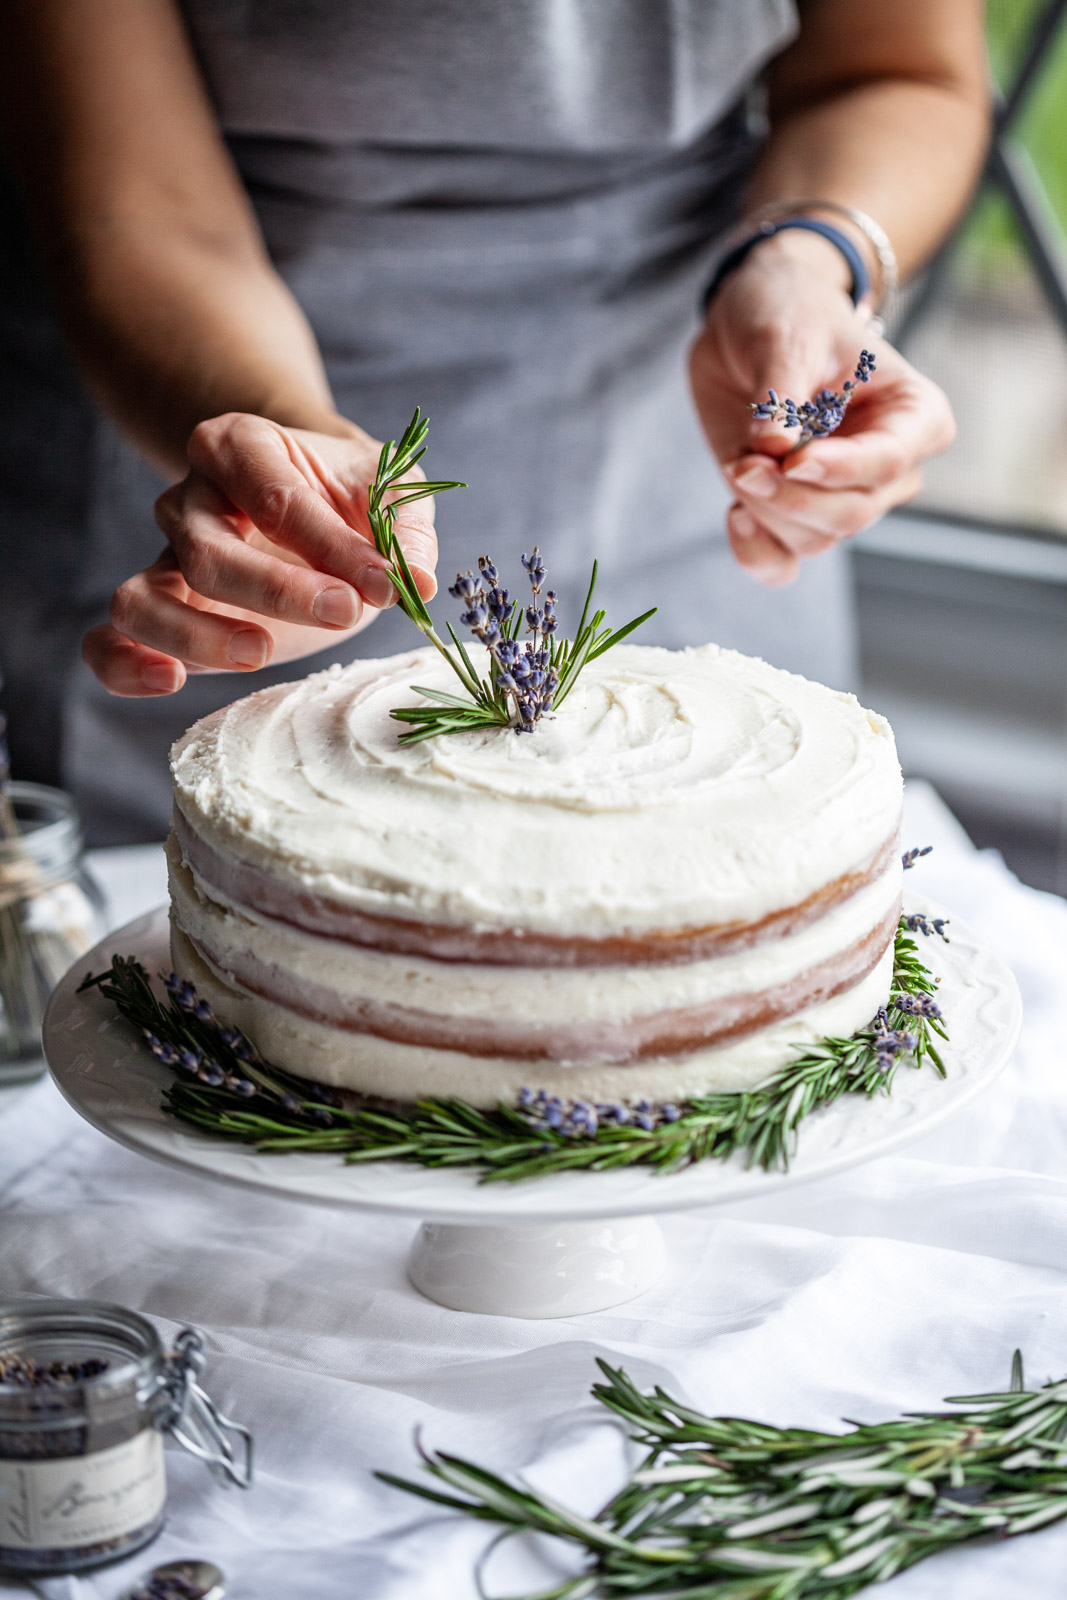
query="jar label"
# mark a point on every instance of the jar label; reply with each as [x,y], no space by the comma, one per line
[81,1500]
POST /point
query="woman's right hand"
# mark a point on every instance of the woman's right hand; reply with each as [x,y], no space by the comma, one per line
[269,552]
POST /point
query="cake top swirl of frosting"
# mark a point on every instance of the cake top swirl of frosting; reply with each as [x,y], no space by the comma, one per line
[673,789]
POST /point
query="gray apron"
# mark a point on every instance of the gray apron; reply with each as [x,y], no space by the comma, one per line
[501,213]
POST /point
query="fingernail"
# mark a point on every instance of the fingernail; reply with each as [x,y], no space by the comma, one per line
[376,587]
[160,678]
[759,479]
[426,581]
[338,608]
[248,648]
[742,524]
[807,472]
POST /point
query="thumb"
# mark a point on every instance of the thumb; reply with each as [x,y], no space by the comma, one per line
[731,369]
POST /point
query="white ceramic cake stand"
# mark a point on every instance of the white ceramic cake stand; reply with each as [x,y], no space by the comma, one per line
[548,1247]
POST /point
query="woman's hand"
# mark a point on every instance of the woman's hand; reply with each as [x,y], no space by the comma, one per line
[269,553]
[782,320]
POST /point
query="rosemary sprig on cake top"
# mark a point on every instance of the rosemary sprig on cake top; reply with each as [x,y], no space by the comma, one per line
[527,675]
[224,1087]
[747,1511]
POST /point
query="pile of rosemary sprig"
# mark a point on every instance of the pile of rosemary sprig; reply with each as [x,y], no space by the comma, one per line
[726,1509]
[224,1087]
[486,703]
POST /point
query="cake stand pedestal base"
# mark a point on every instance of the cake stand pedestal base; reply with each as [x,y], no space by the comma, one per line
[552,1269]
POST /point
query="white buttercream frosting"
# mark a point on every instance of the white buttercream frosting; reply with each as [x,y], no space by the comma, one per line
[674,789]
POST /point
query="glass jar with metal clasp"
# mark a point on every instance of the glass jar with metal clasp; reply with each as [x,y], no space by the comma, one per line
[51,912]
[87,1392]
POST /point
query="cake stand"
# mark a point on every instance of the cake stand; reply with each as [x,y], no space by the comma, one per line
[548,1247]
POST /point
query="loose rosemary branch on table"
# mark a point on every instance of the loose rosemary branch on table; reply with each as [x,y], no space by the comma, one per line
[726,1509]
[526,678]
[225,1088]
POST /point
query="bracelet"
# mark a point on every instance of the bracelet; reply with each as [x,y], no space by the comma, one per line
[872,231]
[859,286]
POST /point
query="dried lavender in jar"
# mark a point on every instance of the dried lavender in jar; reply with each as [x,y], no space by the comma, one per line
[86,1392]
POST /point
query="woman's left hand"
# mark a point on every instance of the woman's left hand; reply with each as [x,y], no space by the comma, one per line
[782,320]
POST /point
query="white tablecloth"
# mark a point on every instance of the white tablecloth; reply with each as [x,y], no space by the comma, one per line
[880,1290]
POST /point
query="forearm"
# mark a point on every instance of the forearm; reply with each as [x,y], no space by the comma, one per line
[906,154]
[161,275]
[885,109]
[170,329]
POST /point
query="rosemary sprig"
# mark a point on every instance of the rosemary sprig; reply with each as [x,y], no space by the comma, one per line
[737,1510]
[224,1087]
[488,702]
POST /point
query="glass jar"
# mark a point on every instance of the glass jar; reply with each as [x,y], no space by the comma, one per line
[86,1393]
[51,912]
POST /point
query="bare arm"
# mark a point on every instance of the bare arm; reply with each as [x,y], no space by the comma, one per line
[883,108]
[195,346]
[161,277]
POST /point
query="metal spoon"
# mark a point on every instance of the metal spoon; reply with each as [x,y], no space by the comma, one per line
[191,1580]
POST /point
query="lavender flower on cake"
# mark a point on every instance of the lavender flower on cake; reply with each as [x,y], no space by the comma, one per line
[528,677]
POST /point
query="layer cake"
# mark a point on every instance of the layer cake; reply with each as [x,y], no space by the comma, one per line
[690,869]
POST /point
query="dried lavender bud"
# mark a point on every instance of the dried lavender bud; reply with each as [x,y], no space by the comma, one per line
[171,1587]
[582,1119]
[466,587]
[916,1005]
[241,1086]
[916,922]
[823,413]
[909,858]
[535,567]
[22,1372]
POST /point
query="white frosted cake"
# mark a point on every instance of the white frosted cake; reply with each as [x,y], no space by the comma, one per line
[691,868]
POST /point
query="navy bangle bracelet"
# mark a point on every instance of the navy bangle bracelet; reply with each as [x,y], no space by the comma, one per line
[860,281]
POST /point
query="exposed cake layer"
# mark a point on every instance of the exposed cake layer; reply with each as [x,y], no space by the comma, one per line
[605,1014]
[372,1065]
[252,888]
[678,797]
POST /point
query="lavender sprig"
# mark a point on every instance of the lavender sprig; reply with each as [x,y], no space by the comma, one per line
[221,1085]
[526,679]
[823,413]
[745,1510]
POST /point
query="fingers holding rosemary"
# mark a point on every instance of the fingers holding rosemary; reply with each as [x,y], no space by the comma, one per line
[269,553]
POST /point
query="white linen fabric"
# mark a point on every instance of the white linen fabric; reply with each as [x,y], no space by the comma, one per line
[880,1290]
